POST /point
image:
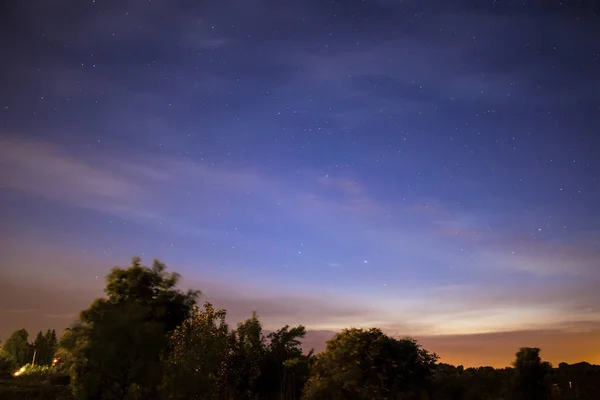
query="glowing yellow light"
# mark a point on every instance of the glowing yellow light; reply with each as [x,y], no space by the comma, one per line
[22,369]
[16,373]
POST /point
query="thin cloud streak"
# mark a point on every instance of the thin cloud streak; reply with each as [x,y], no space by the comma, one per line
[126,190]
[136,190]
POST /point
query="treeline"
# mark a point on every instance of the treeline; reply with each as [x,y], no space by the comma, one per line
[18,351]
[149,340]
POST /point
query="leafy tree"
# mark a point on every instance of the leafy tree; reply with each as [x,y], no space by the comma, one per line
[45,346]
[113,352]
[41,349]
[118,357]
[198,363]
[285,369]
[531,375]
[576,381]
[449,382]
[17,348]
[154,288]
[6,364]
[207,361]
[367,364]
[52,345]
[247,354]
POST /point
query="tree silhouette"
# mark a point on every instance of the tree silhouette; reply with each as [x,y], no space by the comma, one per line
[17,348]
[367,364]
[285,369]
[197,364]
[531,375]
[113,352]
[45,346]
[147,340]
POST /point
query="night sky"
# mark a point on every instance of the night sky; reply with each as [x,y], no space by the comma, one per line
[428,167]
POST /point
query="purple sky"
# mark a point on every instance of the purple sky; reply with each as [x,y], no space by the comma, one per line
[425,167]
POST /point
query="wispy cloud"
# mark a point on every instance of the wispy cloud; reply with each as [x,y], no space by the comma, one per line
[49,171]
[145,188]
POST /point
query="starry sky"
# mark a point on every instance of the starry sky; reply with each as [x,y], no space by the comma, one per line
[428,167]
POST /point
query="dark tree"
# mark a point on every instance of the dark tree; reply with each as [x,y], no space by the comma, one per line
[367,364]
[198,363]
[17,349]
[45,346]
[52,343]
[285,369]
[153,288]
[114,351]
[531,375]
[247,354]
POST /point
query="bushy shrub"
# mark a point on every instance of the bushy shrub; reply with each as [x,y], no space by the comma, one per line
[38,370]
[7,367]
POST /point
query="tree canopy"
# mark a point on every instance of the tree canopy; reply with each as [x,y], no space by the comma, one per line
[45,346]
[114,351]
[367,364]
[148,340]
[207,360]
[17,348]
[153,288]
[531,375]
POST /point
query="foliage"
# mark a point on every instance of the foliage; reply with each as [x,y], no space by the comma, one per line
[148,340]
[367,364]
[208,361]
[70,341]
[35,382]
[197,364]
[113,352]
[153,288]
[531,380]
[37,370]
[119,352]
[576,381]
[7,366]
[45,346]
[246,356]
[285,369]
[17,348]
[458,383]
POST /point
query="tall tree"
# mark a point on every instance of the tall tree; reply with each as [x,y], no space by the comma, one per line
[118,356]
[52,343]
[154,288]
[198,363]
[367,364]
[285,369]
[41,348]
[17,348]
[247,350]
[531,375]
[6,364]
[114,351]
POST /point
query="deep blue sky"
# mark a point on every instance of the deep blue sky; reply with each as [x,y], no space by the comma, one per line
[429,167]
